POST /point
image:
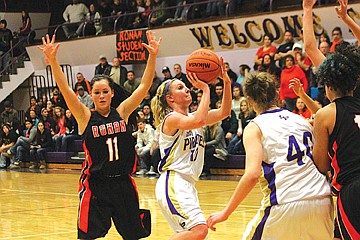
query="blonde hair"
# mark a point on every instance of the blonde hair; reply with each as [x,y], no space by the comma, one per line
[248,110]
[159,105]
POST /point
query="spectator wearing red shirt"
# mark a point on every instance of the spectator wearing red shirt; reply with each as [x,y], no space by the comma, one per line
[291,71]
[266,49]
[301,109]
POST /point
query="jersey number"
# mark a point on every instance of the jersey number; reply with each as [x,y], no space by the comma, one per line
[113,148]
[294,145]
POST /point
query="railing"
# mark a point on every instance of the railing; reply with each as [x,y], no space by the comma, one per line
[271,4]
[11,57]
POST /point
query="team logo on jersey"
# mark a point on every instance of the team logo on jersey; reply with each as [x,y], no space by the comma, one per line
[357,120]
[191,142]
[283,117]
[109,128]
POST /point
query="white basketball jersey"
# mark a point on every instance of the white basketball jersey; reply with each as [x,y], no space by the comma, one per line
[288,171]
[183,152]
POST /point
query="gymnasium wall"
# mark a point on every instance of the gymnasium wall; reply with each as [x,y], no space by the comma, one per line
[237,39]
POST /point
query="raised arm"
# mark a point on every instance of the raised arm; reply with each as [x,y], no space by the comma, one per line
[252,143]
[298,89]
[310,44]
[216,115]
[341,11]
[79,110]
[130,104]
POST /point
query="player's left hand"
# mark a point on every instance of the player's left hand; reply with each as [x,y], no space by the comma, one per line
[153,45]
[223,74]
[341,10]
[49,49]
[296,86]
[215,218]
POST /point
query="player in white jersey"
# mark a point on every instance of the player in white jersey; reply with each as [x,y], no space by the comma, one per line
[278,143]
[181,145]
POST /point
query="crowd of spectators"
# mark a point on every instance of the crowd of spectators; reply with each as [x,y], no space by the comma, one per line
[49,125]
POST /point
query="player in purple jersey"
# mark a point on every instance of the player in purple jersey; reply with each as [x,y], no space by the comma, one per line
[107,191]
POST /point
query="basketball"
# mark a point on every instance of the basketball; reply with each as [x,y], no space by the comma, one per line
[205,63]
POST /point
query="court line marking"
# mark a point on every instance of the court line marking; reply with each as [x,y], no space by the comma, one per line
[38,235]
[34,192]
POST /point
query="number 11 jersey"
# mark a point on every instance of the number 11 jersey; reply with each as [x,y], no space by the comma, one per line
[108,144]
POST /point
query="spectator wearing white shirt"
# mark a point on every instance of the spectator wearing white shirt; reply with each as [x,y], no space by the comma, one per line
[75,14]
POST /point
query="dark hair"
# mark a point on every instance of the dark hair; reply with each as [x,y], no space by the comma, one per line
[289,56]
[338,29]
[7,104]
[24,18]
[270,68]
[340,69]
[289,31]
[33,97]
[270,36]
[325,35]
[3,21]
[219,84]
[244,66]
[120,94]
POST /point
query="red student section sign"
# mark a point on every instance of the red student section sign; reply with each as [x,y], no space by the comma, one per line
[129,46]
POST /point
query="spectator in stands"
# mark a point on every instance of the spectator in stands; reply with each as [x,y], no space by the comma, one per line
[33,117]
[268,48]
[324,38]
[146,100]
[230,72]
[304,63]
[6,38]
[50,108]
[105,12]
[118,8]
[148,115]
[131,83]
[193,106]
[49,122]
[215,9]
[32,106]
[301,109]
[268,65]
[103,68]
[44,100]
[10,116]
[235,145]
[81,81]
[287,95]
[219,87]
[264,6]
[159,16]
[141,20]
[93,17]
[118,73]
[57,98]
[214,139]
[324,48]
[166,72]
[199,95]
[337,39]
[41,145]
[180,14]
[155,154]
[235,105]
[71,134]
[24,30]
[84,97]
[60,128]
[285,49]
[21,148]
[243,71]
[9,138]
[181,76]
[39,106]
[145,139]
[74,15]
[229,124]
[155,84]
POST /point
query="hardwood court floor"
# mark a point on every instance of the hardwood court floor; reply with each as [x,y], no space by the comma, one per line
[36,205]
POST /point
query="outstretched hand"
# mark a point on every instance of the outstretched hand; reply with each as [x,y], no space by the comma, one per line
[341,10]
[223,74]
[308,4]
[49,47]
[297,87]
[153,45]
[215,218]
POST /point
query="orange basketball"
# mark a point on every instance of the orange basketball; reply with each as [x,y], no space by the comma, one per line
[205,63]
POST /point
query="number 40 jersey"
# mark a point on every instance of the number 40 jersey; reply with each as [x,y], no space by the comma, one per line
[288,171]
